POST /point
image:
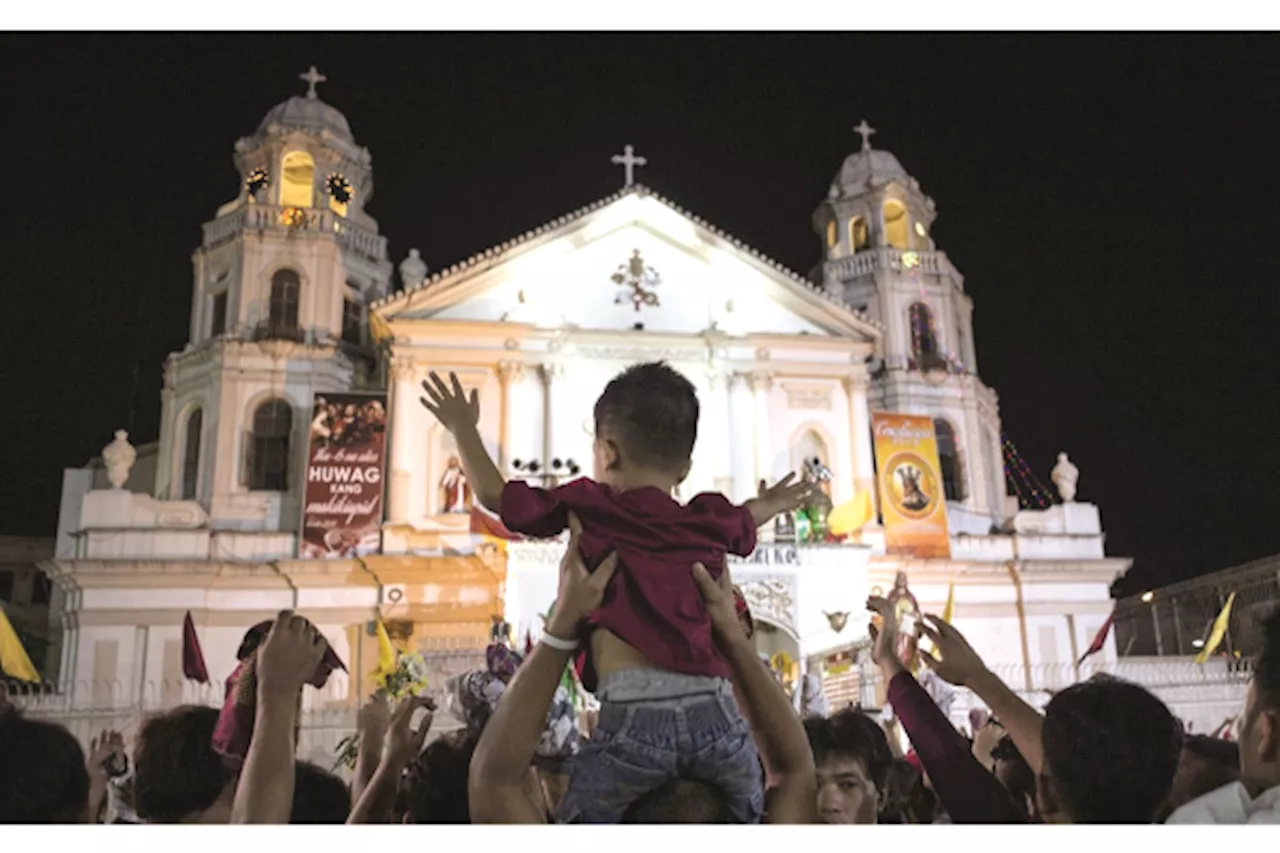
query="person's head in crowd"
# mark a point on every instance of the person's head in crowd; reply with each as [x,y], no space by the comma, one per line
[318,796]
[1110,752]
[178,777]
[681,801]
[646,426]
[434,787]
[42,772]
[1205,764]
[1260,727]
[852,758]
[906,799]
[1016,775]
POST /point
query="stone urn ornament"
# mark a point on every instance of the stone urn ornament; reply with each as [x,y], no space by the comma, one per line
[1065,475]
[119,457]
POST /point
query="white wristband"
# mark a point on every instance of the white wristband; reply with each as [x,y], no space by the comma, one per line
[559,644]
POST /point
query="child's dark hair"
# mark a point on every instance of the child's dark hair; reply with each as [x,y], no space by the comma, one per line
[651,412]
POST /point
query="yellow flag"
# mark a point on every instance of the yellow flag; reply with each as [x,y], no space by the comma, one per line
[13,657]
[386,654]
[378,328]
[1219,631]
[851,516]
[949,611]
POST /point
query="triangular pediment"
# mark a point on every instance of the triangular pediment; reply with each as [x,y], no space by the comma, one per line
[633,260]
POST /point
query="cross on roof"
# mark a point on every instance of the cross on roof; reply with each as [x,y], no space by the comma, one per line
[628,161]
[864,130]
[311,78]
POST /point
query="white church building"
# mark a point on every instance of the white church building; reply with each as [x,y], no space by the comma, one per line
[286,283]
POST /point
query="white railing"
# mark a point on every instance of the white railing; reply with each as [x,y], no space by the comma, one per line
[264,217]
[869,260]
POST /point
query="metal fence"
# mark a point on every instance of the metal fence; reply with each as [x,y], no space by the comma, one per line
[1174,620]
[1201,695]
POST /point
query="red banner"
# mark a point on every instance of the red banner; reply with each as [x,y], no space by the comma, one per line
[342,498]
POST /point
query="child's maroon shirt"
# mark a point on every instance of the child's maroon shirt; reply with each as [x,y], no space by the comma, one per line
[652,602]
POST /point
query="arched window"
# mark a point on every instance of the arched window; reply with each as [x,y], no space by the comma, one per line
[267,445]
[949,460]
[858,237]
[897,231]
[283,310]
[191,455]
[924,338]
[833,236]
[297,184]
[807,447]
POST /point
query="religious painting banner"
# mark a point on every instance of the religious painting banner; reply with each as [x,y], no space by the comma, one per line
[342,497]
[912,499]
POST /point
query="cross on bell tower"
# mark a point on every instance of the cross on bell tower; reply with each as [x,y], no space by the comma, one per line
[628,161]
[311,78]
[864,130]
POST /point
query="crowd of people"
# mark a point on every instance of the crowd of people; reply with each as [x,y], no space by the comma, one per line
[693,727]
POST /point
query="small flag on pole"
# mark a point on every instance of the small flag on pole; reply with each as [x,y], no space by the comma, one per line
[1219,631]
[386,654]
[949,611]
[14,660]
[1099,640]
[192,657]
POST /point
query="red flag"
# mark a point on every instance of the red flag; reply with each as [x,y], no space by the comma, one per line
[1100,640]
[192,658]
[528,643]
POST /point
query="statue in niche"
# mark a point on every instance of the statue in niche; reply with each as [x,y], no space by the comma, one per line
[811,518]
[455,492]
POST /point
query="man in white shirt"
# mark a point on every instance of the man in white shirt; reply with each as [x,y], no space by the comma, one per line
[1256,797]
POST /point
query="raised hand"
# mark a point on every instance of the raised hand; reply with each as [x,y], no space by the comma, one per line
[106,755]
[289,655]
[450,403]
[786,495]
[718,595]
[403,741]
[885,650]
[375,714]
[959,663]
[581,591]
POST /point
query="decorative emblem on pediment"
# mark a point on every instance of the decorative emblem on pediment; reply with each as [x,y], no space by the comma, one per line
[639,281]
[772,599]
[810,397]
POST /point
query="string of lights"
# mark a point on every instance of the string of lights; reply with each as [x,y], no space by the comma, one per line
[1032,494]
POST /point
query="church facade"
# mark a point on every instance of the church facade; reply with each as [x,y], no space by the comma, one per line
[789,368]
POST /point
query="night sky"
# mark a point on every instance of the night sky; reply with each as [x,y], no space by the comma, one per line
[1111,201]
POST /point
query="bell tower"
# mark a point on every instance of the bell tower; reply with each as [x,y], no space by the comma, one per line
[879,256]
[282,279]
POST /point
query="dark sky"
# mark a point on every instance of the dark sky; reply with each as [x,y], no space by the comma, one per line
[1111,201]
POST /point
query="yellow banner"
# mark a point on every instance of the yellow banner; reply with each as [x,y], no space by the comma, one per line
[912,500]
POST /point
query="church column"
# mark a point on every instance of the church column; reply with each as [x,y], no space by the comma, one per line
[742,441]
[761,385]
[402,402]
[552,377]
[510,375]
[855,387]
[720,434]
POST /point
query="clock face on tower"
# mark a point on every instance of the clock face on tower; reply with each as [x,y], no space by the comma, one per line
[257,181]
[339,188]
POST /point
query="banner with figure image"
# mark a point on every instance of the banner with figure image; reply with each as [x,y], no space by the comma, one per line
[911,495]
[342,497]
